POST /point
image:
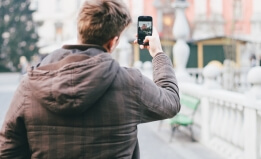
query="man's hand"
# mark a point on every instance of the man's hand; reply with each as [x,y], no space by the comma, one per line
[154,46]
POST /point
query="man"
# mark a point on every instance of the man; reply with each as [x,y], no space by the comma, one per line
[143,27]
[79,103]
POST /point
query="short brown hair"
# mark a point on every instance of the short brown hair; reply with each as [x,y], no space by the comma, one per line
[101,20]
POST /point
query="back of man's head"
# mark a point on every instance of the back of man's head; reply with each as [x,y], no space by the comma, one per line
[101,20]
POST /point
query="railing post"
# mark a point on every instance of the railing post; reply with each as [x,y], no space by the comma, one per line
[250,114]
[210,74]
[250,133]
[254,77]
[181,49]
[205,114]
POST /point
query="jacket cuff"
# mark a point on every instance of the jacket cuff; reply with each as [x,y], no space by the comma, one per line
[160,59]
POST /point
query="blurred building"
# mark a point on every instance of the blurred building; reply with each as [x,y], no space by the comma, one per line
[56,22]
[208,18]
[56,19]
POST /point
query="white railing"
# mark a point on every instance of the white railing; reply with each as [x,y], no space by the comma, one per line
[226,123]
[259,131]
[230,79]
[229,122]
[196,75]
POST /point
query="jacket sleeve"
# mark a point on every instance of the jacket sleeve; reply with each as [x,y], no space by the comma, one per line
[13,138]
[160,99]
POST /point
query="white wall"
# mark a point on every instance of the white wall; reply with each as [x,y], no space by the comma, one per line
[256,6]
[200,7]
[256,21]
[216,6]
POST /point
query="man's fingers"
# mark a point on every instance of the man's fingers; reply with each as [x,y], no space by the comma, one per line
[152,43]
[142,47]
[155,32]
[147,39]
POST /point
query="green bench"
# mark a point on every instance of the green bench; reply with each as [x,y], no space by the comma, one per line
[190,104]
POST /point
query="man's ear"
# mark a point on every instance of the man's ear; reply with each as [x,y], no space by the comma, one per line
[111,44]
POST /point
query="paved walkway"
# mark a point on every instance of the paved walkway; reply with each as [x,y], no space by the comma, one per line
[152,146]
[154,143]
[8,85]
[181,146]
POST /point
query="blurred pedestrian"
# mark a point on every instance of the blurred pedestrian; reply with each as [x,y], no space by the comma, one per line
[79,103]
[35,60]
[23,65]
[260,60]
[253,60]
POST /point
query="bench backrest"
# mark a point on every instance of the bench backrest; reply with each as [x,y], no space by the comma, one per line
[189,101]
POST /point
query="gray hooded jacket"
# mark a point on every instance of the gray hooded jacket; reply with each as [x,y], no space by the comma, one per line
[79,103]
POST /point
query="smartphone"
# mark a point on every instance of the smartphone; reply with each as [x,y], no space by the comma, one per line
[144,28]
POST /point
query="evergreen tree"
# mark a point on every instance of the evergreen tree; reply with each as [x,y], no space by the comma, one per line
[17,33]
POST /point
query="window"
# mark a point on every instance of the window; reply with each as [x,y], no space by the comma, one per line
[237,9]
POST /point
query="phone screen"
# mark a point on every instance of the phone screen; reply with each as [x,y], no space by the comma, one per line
[144,28]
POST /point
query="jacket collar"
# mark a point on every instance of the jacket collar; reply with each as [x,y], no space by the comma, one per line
[84,47]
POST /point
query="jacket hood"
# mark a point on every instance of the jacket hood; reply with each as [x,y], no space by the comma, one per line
[73,84]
